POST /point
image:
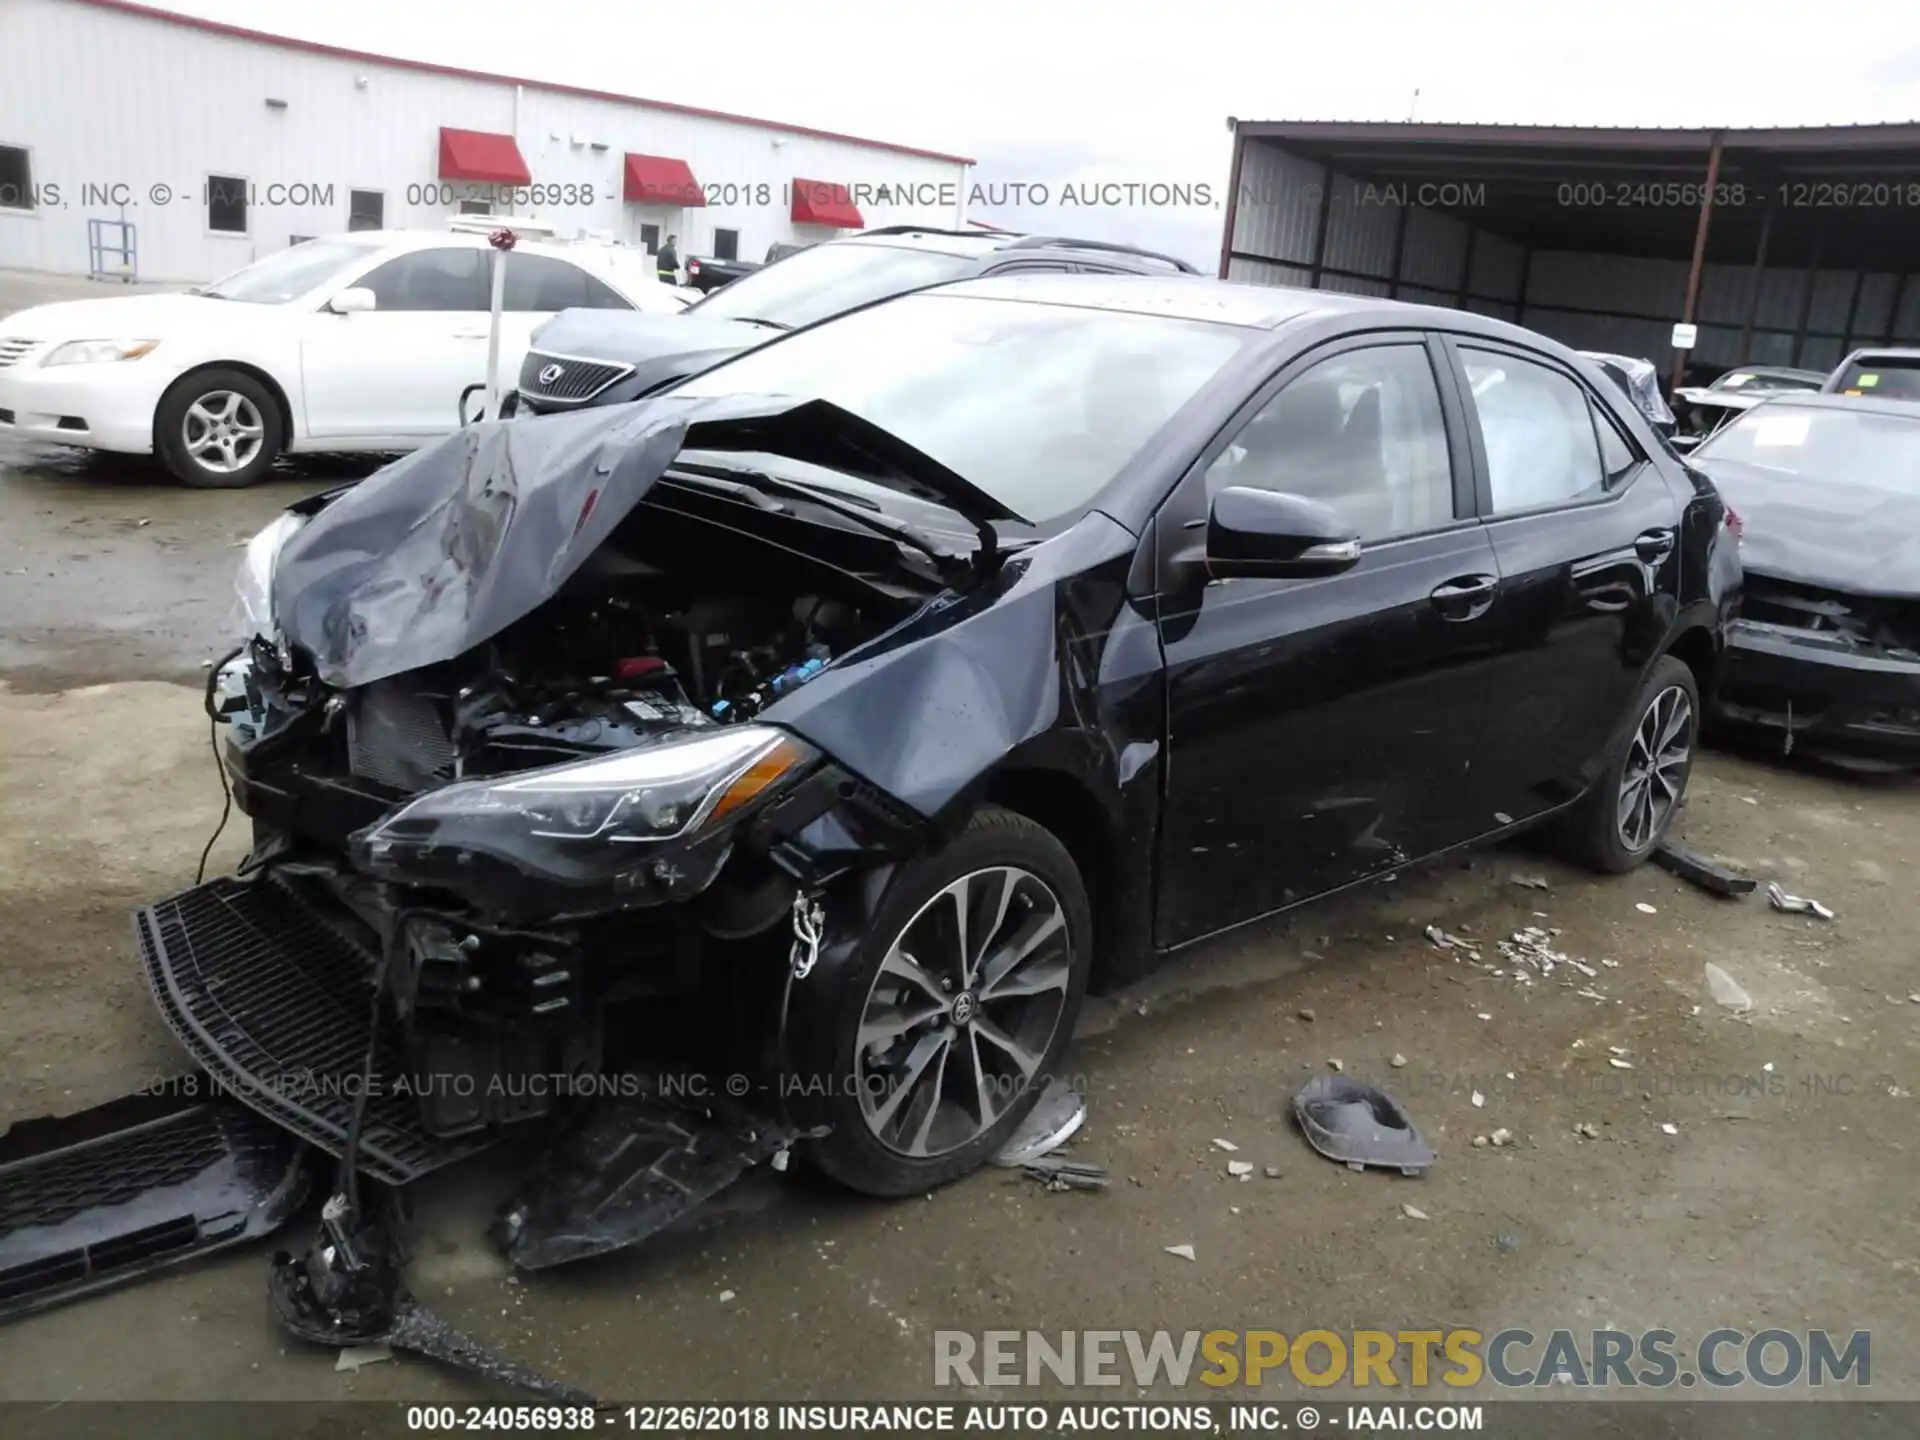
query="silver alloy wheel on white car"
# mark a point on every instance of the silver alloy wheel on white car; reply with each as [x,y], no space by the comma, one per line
[1655,771]
[223,431]
[962,1011]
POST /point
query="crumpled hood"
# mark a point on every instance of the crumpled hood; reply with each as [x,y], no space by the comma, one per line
[630,338]
[446,547]
[1851,538]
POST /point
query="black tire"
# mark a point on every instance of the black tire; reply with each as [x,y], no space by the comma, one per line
[175,427]
[1591,832]
[825,1018]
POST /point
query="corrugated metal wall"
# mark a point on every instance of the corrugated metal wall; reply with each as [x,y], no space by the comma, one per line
[1283,234]
[102,98]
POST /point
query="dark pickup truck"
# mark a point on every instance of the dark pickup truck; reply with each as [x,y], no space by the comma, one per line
[708,273]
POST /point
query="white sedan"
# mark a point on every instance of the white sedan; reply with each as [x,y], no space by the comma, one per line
[351,342]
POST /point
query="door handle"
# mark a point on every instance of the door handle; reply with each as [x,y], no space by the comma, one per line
[1465,598]
[1653,545]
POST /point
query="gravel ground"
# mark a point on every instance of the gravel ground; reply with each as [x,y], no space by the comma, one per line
[1783,1194]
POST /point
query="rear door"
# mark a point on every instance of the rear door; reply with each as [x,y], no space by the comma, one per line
[1585,539]
[1319,731]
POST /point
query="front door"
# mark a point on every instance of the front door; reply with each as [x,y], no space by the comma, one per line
[1319,731]
[396,372]
[1584,538]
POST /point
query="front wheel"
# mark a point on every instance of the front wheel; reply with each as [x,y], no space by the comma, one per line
[1630,807]
[218,429]
[938,1034]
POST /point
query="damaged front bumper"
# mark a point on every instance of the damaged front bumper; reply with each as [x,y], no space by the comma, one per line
[1822,692]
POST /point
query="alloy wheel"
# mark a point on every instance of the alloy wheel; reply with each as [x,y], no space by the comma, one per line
[1656,768]
[963,1010]
[223,431]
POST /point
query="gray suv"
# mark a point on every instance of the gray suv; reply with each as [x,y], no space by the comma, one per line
[603,357]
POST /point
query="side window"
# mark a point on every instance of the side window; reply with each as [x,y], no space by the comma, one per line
[543,284]
[1362,433]
[1537,426]
[432,280]
[1617,457]
[726,244]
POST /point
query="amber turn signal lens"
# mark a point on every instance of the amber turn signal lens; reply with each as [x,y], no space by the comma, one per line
[754,780]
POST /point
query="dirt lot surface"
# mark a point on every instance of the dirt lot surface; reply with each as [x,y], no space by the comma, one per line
[1783,1195]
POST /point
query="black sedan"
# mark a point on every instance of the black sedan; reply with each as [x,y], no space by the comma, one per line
[1826,654]
[860,702]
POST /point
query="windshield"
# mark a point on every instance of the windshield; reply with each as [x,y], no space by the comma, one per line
[827,280]
[1038,405]
[291,273]
[1893,377]
[1854,447]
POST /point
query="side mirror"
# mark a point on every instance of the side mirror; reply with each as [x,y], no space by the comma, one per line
[1272,535]
[355,301]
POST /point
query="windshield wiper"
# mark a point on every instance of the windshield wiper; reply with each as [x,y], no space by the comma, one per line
[945,562]
[756,320]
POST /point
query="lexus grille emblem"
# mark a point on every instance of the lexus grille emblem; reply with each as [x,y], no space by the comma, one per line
[551,374]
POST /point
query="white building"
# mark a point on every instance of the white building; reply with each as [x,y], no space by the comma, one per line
[212,145]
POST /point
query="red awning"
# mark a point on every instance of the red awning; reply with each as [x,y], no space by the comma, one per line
[480,155]
[661,180]
[818,202]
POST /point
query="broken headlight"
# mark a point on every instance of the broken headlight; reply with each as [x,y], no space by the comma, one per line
[253,586]
[654,822]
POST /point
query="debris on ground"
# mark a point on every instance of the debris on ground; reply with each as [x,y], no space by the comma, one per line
[1795,904]
[1220,1144]
[1184,1252]
[1587,1130]
[1357,1125]
[1414,1212]
[1239,1169]
[1531,882]
[1669,1128]
[1272,1172]
[1049,1125]
[1644,908]
[1531,952]
[353,1357]
[1617,1063]
[1697,869]
[726,1297]
[1506,1242]
[1726,990]
[1304,1012]
[1479,1100]
[1059,1174]
[1336,1064]
[1399,1061]
[1502,1136]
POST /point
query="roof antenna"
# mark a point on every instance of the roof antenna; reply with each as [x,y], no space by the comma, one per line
[1413,104]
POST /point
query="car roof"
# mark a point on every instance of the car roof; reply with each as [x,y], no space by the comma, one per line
[1259,307]
[471,240]
[1869,404]
[979,244]
[1765,372]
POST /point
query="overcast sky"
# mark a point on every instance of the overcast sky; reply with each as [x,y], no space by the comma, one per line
[1053,90]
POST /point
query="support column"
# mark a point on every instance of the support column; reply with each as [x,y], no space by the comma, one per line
[1806,299]
[1399,249]
[1759,275]
[1699,254]
[1320,228]
[1233,202]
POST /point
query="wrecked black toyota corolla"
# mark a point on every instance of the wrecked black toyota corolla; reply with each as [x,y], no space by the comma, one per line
[1826,653]
[816,732]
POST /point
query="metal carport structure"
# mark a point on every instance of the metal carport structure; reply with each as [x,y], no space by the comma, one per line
[1800,248]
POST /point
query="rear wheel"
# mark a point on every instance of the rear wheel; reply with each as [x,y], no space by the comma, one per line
[1630,807]
[218,429]
[940,1032]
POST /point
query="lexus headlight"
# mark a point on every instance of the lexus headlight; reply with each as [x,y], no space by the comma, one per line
[253,585]
[93,352]
[603,821]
